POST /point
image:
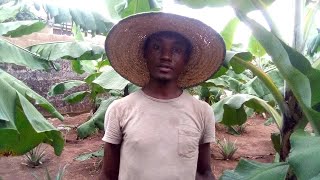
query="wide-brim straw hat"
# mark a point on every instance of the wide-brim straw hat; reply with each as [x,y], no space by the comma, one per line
[125,42]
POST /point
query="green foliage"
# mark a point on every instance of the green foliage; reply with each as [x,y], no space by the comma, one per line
[96,121]
[304,158]
[87,156]
[138,6]
[231,110]
[255,47]
[251,170]
[22,127]
[61,87]
[20,28]
[10,53]
[110,79]
[68,50]
[228,32]
[28,93]
[313,47]
[58,176]
[76,97]
[35,156]
[294,68]
[8,11]
[227,148]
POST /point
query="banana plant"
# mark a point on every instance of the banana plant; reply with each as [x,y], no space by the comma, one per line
[297,148]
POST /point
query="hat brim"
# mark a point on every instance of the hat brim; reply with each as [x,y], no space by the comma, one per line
[124,47]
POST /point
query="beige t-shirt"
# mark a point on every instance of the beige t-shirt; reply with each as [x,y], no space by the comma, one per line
[160,138]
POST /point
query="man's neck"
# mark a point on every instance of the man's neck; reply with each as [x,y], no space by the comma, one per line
[162,90]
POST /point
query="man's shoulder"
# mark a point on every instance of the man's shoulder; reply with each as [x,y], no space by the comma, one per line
[126,101]
[197,102]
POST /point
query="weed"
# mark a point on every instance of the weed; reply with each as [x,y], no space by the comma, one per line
[35,156]
[227,148]
[236,130]
[59,175]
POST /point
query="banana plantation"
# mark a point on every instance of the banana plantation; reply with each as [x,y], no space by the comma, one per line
[268,76]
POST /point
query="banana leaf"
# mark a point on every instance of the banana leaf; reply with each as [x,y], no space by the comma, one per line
[96,121]
[68,50]
[20,28]
[296,69]
[251,170]
[22,127]
[231,110]
[10,53]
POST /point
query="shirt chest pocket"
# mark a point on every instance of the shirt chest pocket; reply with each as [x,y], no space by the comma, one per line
[188,143]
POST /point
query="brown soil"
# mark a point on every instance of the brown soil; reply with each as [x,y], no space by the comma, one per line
[254,144]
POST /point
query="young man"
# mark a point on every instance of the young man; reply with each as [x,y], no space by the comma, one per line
[161,131]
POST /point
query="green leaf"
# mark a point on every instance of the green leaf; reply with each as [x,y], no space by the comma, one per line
[52,10]
[77,34]
[301,78]
[10,53]
[276,141]
[96,121]
[110,79]
[231,55]
[22,127]
[20,28]
[61,87]
[76,97]
[135,6]
[251,170]
[246,6]
[7,12]
[230,110]
[103,25]
[255,47]
[77,66]
[304,155]
[87,156]
[68,50]
[257,87]
[89,79]
[115,7]
[63,16]
[24,90]
[228,32]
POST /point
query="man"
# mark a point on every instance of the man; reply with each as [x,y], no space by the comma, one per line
[161,131]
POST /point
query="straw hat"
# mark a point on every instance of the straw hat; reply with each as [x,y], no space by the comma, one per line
[124,47]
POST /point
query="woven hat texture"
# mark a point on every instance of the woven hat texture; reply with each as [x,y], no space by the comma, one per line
[125,41]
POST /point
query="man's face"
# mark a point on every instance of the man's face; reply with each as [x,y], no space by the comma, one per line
[166,56]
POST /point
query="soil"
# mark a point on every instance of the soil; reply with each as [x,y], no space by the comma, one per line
[254,144]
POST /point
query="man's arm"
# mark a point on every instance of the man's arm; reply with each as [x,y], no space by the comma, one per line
[203,166]
[111,162]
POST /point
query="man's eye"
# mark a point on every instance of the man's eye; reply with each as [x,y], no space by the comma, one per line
[177,50]
[156,46]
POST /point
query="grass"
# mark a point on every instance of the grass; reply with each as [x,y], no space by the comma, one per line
[227,148]
[35,156]
[59,175]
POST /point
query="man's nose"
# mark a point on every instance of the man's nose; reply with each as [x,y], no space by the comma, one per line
[166,54]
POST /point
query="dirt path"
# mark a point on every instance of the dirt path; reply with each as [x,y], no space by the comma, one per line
[255,144]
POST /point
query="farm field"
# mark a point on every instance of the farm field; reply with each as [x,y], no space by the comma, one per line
[253,144]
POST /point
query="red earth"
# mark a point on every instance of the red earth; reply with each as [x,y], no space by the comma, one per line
[254,144]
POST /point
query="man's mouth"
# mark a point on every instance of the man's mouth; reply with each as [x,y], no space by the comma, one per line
[165,68]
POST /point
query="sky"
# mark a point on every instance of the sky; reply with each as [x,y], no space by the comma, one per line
[281,11]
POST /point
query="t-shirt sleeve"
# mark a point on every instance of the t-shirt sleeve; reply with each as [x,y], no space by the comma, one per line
[208,135]
[112,127]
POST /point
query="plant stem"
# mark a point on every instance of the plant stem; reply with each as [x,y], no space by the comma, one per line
[267,81]
[262,7]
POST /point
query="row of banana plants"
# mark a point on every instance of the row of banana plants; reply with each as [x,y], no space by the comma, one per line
[251,87]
